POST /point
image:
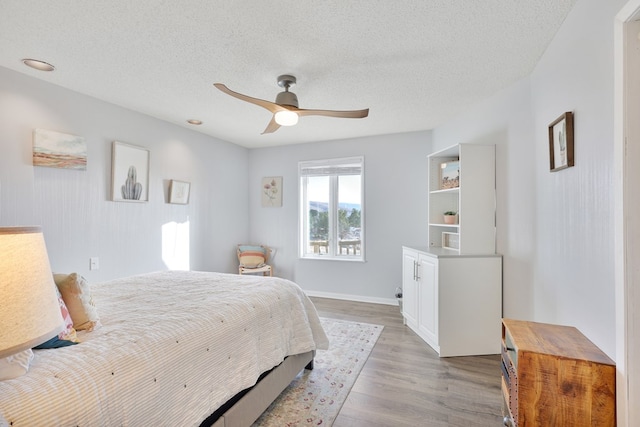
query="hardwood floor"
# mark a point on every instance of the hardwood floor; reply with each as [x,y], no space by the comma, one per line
[405,383]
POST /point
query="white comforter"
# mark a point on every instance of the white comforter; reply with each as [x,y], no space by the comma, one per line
[173,347]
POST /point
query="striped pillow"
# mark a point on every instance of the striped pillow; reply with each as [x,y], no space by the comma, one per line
[251,256]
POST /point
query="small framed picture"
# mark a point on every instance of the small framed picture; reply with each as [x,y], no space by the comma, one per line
[179,192]
[450,240]
[271,192]
[450,175]
[561,142]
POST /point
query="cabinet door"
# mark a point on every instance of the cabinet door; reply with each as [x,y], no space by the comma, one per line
[428,299]
[409,287]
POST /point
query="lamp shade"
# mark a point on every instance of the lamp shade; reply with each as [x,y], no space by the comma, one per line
[29,308]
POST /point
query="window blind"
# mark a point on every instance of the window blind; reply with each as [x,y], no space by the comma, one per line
[350,166]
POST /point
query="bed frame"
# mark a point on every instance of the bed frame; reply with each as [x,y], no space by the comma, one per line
[243,409]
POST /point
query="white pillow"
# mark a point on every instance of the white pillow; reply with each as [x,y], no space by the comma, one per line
[15,365]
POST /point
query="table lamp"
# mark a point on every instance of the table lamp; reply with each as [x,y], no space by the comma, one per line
[29,308]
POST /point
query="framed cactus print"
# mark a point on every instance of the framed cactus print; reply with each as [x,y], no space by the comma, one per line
[130,173]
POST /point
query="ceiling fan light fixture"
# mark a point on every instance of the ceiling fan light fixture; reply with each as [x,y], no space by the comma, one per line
[286,118]
[285,110]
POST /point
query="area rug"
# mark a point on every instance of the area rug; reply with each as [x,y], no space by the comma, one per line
[315,397]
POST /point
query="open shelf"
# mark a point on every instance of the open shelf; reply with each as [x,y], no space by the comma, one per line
[433,224]
[447,191]
[475,173]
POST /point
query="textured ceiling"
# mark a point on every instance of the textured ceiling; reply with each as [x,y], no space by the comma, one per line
[413,63]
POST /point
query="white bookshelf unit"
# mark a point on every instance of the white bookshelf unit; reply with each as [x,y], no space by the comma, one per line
[474,199]
[452,288]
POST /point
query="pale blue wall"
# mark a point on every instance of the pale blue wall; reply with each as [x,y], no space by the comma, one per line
[395,212]
[73,207]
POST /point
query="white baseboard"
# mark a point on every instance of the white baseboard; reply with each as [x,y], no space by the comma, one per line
[357,298]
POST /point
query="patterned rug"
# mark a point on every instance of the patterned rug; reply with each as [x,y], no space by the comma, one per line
[315,397]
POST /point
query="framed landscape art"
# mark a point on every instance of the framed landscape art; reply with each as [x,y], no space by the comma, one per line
[450,175]
[59,150]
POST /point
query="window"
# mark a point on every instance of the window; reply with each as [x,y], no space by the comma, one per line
[331,209]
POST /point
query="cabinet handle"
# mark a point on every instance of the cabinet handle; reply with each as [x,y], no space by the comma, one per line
[417,271]
[414,271]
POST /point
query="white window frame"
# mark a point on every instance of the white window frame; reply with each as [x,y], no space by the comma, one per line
[331,168]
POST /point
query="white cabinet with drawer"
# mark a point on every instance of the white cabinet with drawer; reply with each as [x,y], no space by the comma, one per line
[453,301]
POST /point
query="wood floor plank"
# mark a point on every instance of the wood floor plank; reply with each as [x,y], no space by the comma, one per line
[405,383]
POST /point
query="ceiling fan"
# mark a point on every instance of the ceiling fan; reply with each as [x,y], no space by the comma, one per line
[285,110]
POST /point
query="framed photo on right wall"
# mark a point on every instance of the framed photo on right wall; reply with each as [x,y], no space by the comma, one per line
[561,142]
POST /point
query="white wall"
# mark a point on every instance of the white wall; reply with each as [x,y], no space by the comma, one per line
[556,230]
[505,120]
[575,278]
[73,207]
[395,212]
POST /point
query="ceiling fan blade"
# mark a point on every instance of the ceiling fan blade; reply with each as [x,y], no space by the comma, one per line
[353,114]
[288,101]
[271,106]
[272,126]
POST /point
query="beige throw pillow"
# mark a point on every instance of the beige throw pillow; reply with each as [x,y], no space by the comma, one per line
[76,294]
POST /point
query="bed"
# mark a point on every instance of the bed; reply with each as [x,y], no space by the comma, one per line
[173,348]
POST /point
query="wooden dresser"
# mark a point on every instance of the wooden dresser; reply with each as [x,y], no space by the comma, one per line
[554,376]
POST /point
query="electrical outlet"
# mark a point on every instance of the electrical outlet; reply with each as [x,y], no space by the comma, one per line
[94,263]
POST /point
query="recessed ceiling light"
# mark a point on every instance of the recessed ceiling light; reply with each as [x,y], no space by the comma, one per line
[194,122]
[38,65]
